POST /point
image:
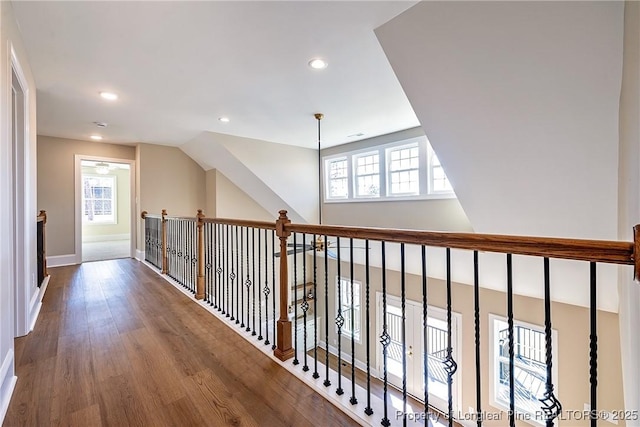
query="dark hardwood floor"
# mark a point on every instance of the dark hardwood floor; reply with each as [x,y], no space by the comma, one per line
[115,345]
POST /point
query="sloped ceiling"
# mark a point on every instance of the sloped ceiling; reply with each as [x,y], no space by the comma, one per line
[520,100]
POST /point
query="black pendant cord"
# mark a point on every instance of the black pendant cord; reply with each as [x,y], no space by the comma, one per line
[253,281]
[385,339]
[450,364]
[425,342]
[403,302]
[353,399]
[315,375]
[326,382]
[260,337]
[593,345]
[512,400]
[273,283]
[339,319]
[368,410]
[305,303]
[247,281]
[241,277]
[476,311]
[295,299]
[266,289]
[550,404]
[232,275]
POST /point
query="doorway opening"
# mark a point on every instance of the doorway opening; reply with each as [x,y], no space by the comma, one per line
[105,210]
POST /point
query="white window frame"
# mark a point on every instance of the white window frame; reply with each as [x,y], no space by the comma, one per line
[355,158]
[494,366]
[357,309]
[327,182]
[420,169]
[425,191]
[111,219]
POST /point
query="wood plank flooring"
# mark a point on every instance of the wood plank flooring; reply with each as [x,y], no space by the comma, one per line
[115,345]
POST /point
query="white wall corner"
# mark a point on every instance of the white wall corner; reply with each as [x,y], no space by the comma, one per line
[7,382]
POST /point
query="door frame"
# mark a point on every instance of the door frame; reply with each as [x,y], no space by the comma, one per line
[457,342]
[78,201]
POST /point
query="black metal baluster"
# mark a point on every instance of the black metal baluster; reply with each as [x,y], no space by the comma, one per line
[353,399]
[234,264]
[218,279]
[260,337]
[266,287]
[227,276]
[368,410]
[273,283]
[385,339]
[315,309]
[326,382]
[450,365]
[593,345]
[247,282]
[253,278]
[295,298]
[339,319]
[403,301]
[512,400]
[550,404]
[240,278]
[476,310]
[425,340]
[305,305]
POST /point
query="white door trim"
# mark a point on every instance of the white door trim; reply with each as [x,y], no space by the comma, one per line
[78,200]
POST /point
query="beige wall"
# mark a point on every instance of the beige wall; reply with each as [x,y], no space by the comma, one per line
[232,202]
[169,179]
[56,186]
[570,322]
[123,208]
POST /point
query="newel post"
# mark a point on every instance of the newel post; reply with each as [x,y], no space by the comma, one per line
[165,260]
[283,350]
[636,253]
[200,280]
[43,214]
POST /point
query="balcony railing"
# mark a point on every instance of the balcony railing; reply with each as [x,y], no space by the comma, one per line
[41,255]
[275,280]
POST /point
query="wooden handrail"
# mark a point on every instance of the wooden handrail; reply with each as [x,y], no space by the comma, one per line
[182,218]
[242,223]
[613,252]
[42,217]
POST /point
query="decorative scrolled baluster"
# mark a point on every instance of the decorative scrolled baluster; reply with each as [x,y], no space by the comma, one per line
[266,289]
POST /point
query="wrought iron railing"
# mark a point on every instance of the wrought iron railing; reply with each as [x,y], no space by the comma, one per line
[241,268]
[41,255]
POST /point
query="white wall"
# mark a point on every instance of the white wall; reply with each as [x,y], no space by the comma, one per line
[28,295]
[520,101]
[276,176]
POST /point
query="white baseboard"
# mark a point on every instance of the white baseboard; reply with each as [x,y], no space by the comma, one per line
[139,255]
[36,303]
[347,358]
[106,237]
[60,260]
[7,383]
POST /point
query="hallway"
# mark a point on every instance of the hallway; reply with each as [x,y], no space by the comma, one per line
[117,345]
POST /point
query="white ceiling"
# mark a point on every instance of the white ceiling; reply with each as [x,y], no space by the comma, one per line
[178,66]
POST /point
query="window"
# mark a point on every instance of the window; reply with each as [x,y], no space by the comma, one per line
[367,175]
[346,305]
[407,169]
[404,170]
[530,374]
[98,198]
[337,178]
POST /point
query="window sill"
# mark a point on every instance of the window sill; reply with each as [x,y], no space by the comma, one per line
[443,196]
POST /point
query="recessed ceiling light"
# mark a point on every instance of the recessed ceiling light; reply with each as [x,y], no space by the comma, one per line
[109,96]
[224,119]
[318,64]
[96,137]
